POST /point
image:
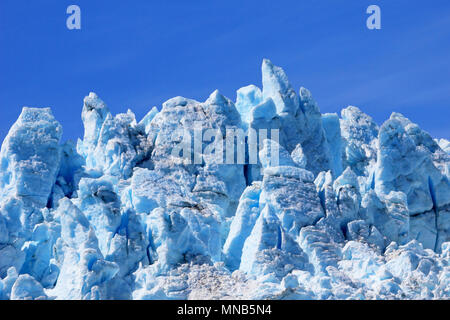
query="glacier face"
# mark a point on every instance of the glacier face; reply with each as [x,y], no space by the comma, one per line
[349,210]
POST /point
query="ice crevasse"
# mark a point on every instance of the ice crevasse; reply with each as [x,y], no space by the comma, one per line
[351,210]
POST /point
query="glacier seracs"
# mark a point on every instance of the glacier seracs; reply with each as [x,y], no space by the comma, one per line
[350,209]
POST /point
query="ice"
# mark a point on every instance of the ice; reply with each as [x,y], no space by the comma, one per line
[30,157]
[247,98]
[444,144]
[7,283]
[269,252]
[27,288]
[263,115]
[84,273]
[389,215]
[276,86]
[320,248]
[312,134]
[263,118]
[405,166]
[409,161]
[247,213]
[147,120]
[298,156]
[359,133]
[333,135]
[300,118]
[336,208]
[112,145]
[348,197]
[218,185]
[289,191]
[29,163]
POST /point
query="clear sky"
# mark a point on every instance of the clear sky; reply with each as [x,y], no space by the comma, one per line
[138,54]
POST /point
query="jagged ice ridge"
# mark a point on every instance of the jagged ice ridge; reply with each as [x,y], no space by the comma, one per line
[351,211]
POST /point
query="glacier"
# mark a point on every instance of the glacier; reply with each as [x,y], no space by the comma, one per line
[349,209]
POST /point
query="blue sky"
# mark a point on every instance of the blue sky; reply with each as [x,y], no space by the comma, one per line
[137,54]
